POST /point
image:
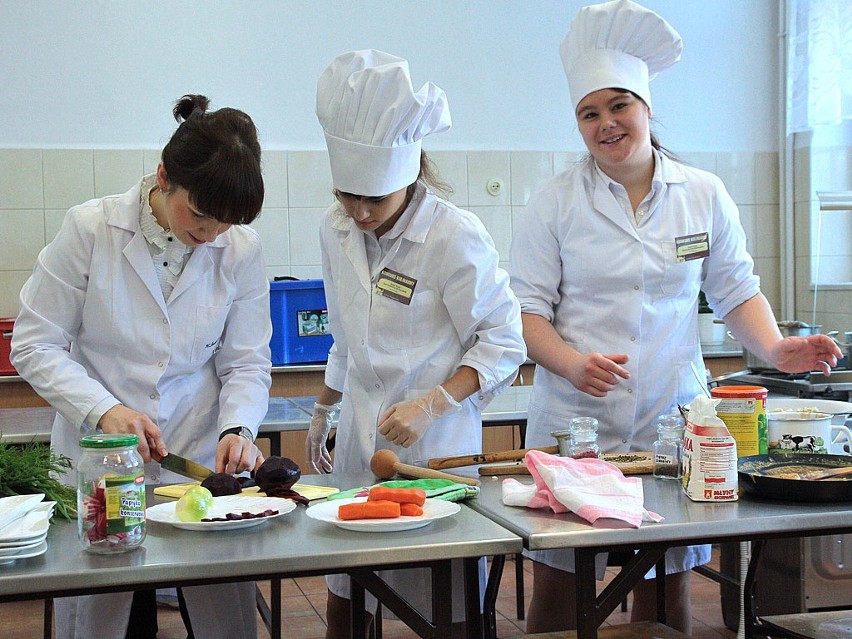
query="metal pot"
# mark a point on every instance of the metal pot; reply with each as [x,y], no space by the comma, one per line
[788,329]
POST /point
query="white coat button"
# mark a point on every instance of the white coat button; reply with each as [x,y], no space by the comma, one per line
[378,385]
[630,390]
[165,320]
[623,441]
[636,287]
[153,395]
[160,364]
[155,479]
[633,339]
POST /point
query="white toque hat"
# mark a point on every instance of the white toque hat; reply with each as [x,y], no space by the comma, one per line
[374,121]
[617,44]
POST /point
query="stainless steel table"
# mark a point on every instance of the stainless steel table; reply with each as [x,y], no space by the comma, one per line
[291,545]
[686,522]
[25,425]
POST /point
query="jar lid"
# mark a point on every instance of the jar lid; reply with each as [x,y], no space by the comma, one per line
[109,440]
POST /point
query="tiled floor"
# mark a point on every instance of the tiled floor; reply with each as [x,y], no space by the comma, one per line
[303,608]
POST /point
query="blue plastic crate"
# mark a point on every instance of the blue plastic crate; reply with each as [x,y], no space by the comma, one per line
[300,331]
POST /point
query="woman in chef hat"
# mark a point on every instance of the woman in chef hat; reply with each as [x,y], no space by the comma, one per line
[607,266]
[426,329]
[148,314]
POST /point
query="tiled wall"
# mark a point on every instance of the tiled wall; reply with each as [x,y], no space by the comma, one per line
[38,186]
[823,242]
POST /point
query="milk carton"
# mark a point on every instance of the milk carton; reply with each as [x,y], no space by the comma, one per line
[709,454]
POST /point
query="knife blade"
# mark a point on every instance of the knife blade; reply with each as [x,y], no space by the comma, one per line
[185,467]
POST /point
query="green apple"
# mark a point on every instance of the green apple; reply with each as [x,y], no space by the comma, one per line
[194,504]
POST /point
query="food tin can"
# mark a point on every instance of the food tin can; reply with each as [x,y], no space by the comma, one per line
[110,493]
[743,409]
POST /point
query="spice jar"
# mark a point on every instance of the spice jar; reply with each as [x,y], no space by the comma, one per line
[668,449]
[584,434]
[110,493]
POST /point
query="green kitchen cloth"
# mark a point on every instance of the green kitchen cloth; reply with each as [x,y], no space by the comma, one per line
[445,489]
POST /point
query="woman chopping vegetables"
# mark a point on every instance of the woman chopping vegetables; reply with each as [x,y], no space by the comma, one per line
[426,330]
[607,266]
[149,314]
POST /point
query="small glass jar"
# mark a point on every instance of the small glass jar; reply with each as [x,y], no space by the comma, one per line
[668,449]
[584,437]
[110,493]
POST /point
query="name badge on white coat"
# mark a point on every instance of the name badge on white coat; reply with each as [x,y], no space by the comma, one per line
[692,247]
[396,286]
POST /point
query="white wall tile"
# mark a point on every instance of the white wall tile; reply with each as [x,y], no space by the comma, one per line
[150,160]
[833,269]
[767,226]
[11,283]
[310,272]
[529,169]
[802,191]
[309,179]
[766,182]
[452,169]
[736,170]
[116,170]
[29,238]
[304,236]
[700,160]
[561,161]
[483,166]
[273,226]
[274,179]
[498,223]
[21,183]
[802,221]
[69,177]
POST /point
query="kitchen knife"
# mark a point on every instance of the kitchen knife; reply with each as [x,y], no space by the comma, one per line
[185,467]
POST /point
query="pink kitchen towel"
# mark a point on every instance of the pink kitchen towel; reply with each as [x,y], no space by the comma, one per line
[591,488]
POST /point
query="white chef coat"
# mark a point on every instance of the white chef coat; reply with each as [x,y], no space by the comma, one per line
[463,313]
[94,326]
[609,282]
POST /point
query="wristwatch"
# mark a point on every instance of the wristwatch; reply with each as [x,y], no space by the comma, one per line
[242,431]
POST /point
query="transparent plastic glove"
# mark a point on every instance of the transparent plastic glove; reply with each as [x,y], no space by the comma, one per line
[316,453]
[405,422]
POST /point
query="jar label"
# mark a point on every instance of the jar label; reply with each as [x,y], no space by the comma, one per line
[125,502]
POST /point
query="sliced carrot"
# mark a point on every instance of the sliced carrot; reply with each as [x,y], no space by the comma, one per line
[410,510]
[399,495]
[368,510]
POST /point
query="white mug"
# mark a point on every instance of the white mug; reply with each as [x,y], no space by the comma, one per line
[803,431]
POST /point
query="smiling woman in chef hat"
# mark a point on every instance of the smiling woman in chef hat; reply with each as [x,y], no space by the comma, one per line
[608,264]
[426,329]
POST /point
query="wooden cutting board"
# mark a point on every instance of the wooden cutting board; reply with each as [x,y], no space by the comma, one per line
[638,463]
[305,490]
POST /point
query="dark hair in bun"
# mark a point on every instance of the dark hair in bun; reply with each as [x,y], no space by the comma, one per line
[215,156]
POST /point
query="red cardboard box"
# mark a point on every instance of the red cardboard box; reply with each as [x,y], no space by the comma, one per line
[6,324]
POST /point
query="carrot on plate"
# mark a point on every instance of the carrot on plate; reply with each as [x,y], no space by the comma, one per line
[410,510]
[368,510]
[399,495]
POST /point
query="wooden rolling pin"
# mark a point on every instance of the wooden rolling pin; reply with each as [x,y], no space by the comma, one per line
[639,463]
[385,464]
[439,463]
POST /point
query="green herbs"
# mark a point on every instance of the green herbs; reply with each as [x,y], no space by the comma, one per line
[31,468]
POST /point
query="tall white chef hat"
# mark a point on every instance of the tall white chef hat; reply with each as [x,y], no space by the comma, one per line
[374,121]
[617,44]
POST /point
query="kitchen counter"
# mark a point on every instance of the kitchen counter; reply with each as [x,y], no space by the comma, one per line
[291,545]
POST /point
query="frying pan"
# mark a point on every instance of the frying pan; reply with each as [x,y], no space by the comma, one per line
[756,477]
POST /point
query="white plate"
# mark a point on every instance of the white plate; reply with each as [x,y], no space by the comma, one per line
[29,527]
[17,550]
[433,509]
[35,552]
[32,541]
[15,507]
[165,513]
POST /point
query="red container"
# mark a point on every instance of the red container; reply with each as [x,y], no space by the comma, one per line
[6,324]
